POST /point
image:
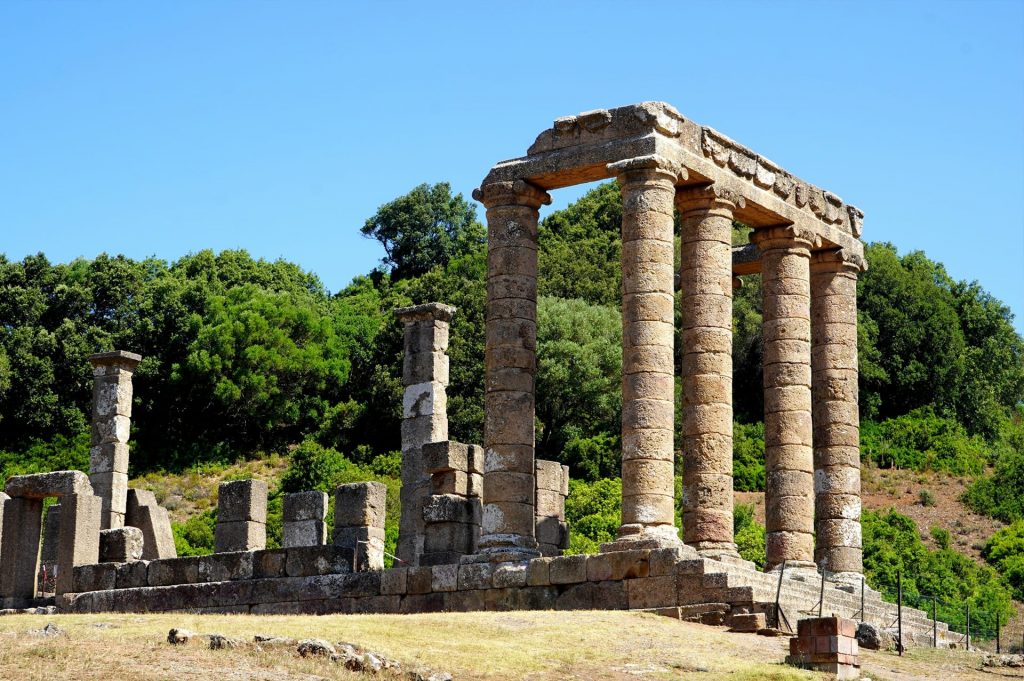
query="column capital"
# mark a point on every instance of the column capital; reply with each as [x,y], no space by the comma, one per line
[119,359]
[784,237]
[642,168]
[514,193]
[838,260]
[708,197]
[438,312]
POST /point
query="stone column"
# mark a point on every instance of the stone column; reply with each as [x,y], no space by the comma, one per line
[303,515]
[510,365]
[836,419]
[23,520]
[706,285]
[786,327]
[424,414]
[648,393]
[111,426]
[3,499]
[359,510]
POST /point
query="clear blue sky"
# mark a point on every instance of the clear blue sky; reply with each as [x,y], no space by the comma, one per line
[160,129]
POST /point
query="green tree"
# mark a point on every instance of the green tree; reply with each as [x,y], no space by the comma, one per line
[424,229]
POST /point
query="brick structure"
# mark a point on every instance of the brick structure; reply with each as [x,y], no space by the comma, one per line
[304,514]
[827,644]
[424,413]
[359,524]
[452,512]
[552,489]
[111,428]
[241,516]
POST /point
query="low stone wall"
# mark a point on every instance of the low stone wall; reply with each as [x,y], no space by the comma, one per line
[319,580]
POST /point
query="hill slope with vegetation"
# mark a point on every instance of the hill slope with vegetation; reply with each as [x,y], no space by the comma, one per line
[246,359]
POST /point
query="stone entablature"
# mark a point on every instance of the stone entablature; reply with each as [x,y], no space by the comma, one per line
[580,148]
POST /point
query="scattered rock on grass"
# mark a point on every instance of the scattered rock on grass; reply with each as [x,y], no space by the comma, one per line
[50,629]
[220,642]
[177,637]
[315,646]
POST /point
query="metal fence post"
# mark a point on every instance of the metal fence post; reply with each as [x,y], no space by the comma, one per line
[862,598]
[968,626]
[821,594]
[899,611]
[935,625]
[998,618]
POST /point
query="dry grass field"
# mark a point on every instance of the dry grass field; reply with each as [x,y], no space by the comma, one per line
[517,645]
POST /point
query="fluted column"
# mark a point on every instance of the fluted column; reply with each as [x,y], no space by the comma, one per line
[510,367]
[648,396]
[786,303]
[706,284]
[837,502]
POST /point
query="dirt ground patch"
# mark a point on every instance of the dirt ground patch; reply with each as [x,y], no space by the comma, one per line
[538,646]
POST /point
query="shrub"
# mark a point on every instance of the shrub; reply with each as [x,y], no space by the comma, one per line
[1005,551]
[941,536]
[926,497]
[749,535]
[748,457]
[922,440]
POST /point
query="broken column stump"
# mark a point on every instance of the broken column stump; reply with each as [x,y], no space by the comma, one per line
[304,514]
[452,513]
[552,490]
[359,523]
[241,516]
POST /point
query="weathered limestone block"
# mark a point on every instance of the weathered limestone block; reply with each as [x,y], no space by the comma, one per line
[241,535]
[510,362]
[241,516]
[146,514]
[648,190]
[121,545]
[80,522]
[424,409]
[42,485]
[242,500]
[307,561]
[785,257]
[359,522]
[22,523]
[3,499]
[552,488]
[304,514]
[826,644]
[183,570]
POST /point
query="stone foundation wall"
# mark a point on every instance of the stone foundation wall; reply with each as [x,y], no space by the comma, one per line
[318,580]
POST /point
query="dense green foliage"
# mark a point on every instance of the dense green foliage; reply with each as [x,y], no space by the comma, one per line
[1005,550]
[893,546]
[749,535]
[921,440]
[1000,494]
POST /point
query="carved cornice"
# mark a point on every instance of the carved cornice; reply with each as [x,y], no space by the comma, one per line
[516,193]
[769,176]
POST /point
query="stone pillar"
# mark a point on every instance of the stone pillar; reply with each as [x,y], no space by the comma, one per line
[121,545]
[3,499]
[552,489]
[648,370]
[80,519]
[359,523]
[786,327]
[304,514]
[706,283]
[241,516]
[23,518]
[424,414]
[510,366]
[111,426]
[837,502]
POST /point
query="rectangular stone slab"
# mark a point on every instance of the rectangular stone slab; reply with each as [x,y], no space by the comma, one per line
[22,520]
[79,537]
[42,485]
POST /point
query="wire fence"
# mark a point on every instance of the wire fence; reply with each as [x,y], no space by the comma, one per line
[970,627]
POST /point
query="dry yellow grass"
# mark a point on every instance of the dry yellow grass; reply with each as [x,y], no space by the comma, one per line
[517,645]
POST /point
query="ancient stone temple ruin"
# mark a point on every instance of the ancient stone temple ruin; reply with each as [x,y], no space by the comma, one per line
[483,526]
